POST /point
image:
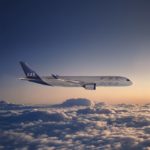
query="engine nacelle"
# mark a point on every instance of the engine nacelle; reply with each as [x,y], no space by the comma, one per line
[90,86]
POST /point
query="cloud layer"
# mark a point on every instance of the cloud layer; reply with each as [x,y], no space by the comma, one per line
[93,127]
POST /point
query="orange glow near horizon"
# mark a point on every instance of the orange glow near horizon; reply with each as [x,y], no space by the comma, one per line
[31,93]
[37,94]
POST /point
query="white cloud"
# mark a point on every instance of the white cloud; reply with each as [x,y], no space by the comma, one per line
[109,127]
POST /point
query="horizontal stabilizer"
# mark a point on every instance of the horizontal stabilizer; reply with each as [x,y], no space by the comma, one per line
[55,76]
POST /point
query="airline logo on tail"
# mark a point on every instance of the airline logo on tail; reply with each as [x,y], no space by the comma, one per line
[28,71]
[31,74]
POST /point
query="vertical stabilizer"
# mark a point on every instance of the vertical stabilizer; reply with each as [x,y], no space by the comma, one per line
[28,71]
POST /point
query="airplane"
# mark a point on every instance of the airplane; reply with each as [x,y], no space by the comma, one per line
[87,82]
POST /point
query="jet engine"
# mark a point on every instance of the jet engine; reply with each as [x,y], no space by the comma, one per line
[90,86]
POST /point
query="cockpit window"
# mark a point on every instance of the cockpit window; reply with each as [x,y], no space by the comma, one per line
[127,80]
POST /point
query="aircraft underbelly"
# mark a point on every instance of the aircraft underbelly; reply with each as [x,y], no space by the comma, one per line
[110,83]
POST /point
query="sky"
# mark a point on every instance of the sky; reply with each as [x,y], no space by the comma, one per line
[80,37]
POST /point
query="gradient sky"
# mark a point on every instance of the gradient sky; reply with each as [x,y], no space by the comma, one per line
[75,37]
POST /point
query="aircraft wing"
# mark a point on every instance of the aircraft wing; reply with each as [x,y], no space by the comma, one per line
[86,85]
[65,80]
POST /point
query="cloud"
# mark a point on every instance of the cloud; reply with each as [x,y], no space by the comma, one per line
[96,127]
[77,102]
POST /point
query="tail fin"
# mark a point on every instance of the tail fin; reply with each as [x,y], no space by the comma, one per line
[28,71]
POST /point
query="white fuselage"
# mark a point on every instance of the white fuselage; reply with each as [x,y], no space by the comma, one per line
[77,81]
[87,82]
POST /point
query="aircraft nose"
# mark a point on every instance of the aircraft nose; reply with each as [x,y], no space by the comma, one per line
[130,83]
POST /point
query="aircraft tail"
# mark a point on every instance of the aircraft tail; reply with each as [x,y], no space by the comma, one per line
[29,72]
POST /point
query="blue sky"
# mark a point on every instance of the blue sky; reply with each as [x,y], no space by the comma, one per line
[81,37]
